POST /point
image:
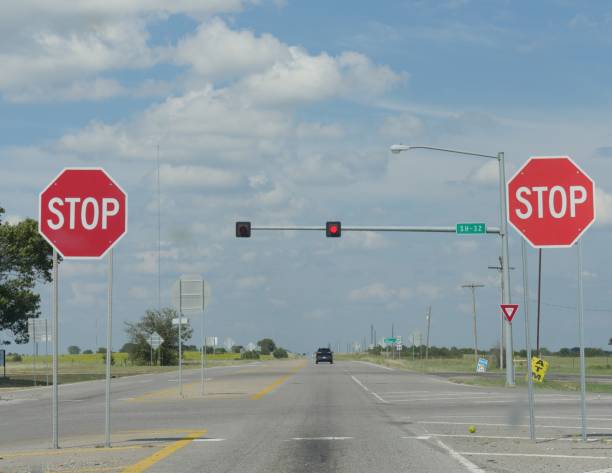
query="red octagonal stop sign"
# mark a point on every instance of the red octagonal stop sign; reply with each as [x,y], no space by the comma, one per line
[82,213]
[551,201]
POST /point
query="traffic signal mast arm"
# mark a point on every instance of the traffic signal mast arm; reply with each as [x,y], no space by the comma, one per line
[367,228]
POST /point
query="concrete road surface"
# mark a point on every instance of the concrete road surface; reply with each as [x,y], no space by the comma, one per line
[294,416]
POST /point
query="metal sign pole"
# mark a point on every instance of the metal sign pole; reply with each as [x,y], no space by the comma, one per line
[46,353]
[109,353]
[532,433]
[583,412]
[180,343]
[34,352]
[203,354]
[55,403]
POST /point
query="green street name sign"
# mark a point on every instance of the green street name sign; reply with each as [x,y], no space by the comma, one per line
[390,340]
[471,228]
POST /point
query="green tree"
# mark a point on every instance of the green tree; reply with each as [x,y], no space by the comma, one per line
[160,322]
[87,352]
[74,350]
[101,350]
[25,259]
[266,346]
[280,353]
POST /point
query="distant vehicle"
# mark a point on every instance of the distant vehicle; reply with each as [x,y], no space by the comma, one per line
[324,354]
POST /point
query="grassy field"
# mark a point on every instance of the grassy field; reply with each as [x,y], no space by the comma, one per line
[73,368]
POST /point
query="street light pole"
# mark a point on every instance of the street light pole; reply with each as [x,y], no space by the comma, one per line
[503,232]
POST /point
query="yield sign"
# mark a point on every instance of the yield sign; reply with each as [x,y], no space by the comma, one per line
[509,310]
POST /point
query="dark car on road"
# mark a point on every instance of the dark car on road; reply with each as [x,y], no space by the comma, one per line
[324,354]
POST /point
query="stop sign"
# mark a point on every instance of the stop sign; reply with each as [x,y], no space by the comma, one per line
[551,201]
[82,213]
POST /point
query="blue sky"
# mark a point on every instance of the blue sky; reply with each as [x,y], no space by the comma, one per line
[282,112]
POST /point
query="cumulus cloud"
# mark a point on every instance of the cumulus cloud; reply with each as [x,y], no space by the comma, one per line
[603,207]
[202,177]
[251,282]
[216,51]
[379,292]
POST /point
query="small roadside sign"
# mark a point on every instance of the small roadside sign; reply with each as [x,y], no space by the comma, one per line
[509,310]
[539,367]
[155,340]
[470,228]
[390,340]
[183,320]
[482,366]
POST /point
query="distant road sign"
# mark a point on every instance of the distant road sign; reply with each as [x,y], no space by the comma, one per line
[390,340]
[82,213]
[38,330]
[471,228]
[155,340]
[184,320]
[482,365]
[509,310]
[551,201]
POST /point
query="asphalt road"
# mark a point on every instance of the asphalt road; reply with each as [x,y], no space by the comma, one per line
[294,416]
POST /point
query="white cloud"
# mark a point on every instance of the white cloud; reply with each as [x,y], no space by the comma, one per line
[306,78]
[317,314]
[403,126]
[139,292]
[215,51]
[251,282]
[87,294]
[603,207]
[97,89]
[366,240]
[486,175]
[201,177]
[379,292]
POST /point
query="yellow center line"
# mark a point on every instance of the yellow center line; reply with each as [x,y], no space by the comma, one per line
[276,383]
[168,450]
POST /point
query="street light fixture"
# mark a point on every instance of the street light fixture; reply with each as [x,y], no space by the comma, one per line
[503,232]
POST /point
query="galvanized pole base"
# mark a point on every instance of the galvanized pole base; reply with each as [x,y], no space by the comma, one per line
[583,411]
[532,433]
[109,350]
[55,328]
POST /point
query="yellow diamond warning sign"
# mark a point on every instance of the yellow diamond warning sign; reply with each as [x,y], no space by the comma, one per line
[539,367]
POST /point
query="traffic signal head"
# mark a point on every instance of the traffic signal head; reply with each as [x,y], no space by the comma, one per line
[333,229]
[243,229]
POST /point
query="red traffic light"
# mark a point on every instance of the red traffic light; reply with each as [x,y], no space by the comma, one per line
[243,229]
[333,229]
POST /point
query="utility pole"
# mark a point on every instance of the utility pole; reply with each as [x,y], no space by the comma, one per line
[428,326]
[500,268]
[473,288]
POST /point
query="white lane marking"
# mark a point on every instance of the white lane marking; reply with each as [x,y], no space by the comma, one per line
[511,425]
[472,468]
[321,438]
[418,437]
[208,440]
[379,398]
[475,399]
[359,383]
[595,418]
[375,365]
[367,390]
[539,455]
[498,437]
[607,470]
